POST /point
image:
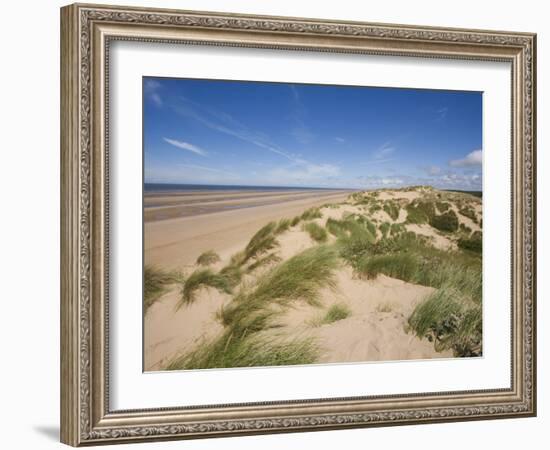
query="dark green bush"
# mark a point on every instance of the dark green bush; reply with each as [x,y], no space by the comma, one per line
[445,222]
[474,243]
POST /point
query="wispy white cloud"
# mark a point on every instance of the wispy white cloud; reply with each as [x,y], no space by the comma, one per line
[208,169]
[310,173]
[433,170]
[378,161]
[384,151]
[300,130]
[339,139]
[151,90]
[442,113]
[224,123]
[472,159]
[186,146]
[449,180]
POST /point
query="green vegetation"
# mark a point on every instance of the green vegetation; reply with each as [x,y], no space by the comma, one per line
[419,211]
[295,221]
[282,226]
[445,222]
[397,228]
[264,261]
[263,241]
[400,265]
[199,279]
[299,278]
[478,194]
[375,207]
[451,321]
[229,350]
[465,229]
[467,211]
[155,281]
[311,213]
[253,311]
[336,227]
[384,307]
[339,311]
[392,209]
[336,312]
[357,241]
[384,229]
[473,243]
[232,274]
[317,233]
[451,317]
[207,258]
[442,206]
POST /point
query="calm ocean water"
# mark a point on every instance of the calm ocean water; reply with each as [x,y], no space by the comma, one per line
[164,187]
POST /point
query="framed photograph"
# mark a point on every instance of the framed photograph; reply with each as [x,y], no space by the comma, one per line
[276,224]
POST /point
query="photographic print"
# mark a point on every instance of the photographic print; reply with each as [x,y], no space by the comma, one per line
[290,224]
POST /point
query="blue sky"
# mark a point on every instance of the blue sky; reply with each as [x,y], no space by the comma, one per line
[280,134]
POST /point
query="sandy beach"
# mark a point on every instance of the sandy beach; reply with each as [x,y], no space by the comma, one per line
[220,220]
[375,325]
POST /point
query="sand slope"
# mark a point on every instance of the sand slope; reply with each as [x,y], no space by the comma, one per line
[376,329]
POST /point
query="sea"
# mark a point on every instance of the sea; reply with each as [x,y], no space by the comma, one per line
[167,187]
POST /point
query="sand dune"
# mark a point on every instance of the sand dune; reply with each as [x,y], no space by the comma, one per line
[376,328]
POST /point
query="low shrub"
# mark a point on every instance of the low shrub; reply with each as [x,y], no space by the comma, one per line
[445,222]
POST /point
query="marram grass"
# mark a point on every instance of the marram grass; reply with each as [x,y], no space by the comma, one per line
[202,278]
[155,282]
[207,258]
[316,232]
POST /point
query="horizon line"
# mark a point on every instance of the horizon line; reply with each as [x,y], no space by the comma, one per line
[309,187]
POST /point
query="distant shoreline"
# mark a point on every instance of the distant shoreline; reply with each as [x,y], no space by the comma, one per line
[150,188]
[171,204]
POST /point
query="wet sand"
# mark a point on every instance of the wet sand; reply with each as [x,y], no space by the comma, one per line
[180,226]
[170,205]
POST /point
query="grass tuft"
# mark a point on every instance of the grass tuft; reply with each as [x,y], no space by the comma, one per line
[299,278]
[295,221]
[443,206]
[207,258]
[282,226]
[242,344]
[264,261]
[450,321]
[311,213]
[392,209]
[339,311]
[263,241]
[420,211]
[252,351]
[203,278]
[155,281]
[317,233]
[469,212]
[384,229]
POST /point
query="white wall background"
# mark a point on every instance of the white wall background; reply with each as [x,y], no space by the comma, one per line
[29,229]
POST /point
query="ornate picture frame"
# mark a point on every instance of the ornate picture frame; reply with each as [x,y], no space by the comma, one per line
[87,31]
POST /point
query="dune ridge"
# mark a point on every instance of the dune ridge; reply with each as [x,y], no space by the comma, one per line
[370,307]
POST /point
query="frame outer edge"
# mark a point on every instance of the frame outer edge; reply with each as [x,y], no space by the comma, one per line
[69,184]
[533,228]
[79,337]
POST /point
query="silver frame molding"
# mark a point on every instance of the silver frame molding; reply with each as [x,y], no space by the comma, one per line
[86,33]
